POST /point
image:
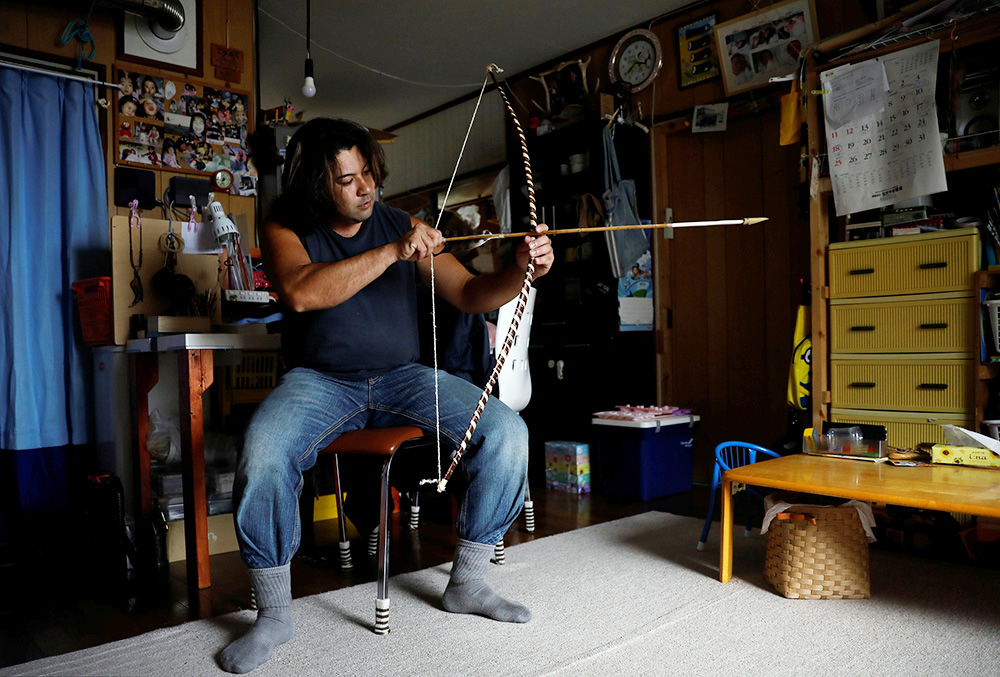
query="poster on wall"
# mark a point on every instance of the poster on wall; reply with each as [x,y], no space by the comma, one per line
[184,126]
[696,55]
[635,296]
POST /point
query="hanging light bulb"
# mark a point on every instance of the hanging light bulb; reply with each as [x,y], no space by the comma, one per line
[309,85]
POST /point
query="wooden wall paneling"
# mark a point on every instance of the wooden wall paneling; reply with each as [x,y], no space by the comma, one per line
[780,281]
[690,351]
[715,278]
[14,27]
[744,261]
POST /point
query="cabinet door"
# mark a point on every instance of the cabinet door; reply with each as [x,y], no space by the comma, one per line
[905,429]
[912,265]
[903,385]
[931,323]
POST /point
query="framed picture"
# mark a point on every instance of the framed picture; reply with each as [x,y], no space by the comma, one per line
[709,118]
[141,41]
[697,57]
[764,44]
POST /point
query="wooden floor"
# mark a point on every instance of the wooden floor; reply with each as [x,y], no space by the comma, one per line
[55,607]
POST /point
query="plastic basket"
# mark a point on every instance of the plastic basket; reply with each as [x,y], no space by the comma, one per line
[825,557]
[255,371]
[993,316]
[93,303]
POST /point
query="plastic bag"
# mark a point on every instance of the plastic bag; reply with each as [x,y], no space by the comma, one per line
[163,442]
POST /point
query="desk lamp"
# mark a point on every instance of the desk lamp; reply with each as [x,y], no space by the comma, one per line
[228,237]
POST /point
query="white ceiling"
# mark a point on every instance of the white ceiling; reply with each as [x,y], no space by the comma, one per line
[381,63]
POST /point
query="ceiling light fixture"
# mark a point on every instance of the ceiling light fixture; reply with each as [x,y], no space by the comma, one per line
[309,86]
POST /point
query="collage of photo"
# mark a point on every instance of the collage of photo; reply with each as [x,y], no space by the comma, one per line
[764,44]
[184,126]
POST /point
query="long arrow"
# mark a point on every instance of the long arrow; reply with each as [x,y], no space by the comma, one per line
[485,237]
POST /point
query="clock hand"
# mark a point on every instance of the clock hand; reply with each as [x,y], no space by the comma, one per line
[636,63]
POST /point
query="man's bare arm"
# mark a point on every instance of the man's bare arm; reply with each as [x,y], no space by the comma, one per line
[304,285]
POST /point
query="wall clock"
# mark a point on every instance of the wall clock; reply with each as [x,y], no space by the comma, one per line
[636,59]
[222,180]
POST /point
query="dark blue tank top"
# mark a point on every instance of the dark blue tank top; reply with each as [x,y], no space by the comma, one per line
[375,330]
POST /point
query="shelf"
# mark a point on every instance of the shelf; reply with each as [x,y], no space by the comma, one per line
[971,159]
[953,162]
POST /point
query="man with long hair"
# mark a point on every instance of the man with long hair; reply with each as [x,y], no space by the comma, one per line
[347,267]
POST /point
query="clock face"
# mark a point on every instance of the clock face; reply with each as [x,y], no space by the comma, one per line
[636,59]
[223,179]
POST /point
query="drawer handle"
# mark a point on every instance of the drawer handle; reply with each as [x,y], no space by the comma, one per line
[933,386]
[934,325]
[862,271]
[936,264]
[862,384]
[864,327]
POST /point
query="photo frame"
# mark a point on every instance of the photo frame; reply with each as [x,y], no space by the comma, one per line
[710,118]
[182,53]
[697,54]
[181,125]
[764,44]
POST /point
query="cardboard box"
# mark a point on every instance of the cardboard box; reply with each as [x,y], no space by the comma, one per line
[980,457]
[221,537]
[567,466]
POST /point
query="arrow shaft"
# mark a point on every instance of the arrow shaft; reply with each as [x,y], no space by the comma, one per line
[596,229]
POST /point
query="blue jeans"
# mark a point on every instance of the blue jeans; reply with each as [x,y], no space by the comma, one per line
[309,409]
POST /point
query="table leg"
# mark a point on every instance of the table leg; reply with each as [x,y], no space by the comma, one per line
[194,375]
[726,551]
[144,374]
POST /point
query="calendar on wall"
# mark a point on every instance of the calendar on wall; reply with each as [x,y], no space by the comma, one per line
[882,135]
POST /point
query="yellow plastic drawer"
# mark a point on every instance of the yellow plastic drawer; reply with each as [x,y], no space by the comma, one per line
[910,264]
[929,323]
[867,382]
[904,429]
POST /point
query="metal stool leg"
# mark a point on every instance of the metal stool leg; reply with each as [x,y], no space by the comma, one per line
[345,545]
[382,594]
[498,553]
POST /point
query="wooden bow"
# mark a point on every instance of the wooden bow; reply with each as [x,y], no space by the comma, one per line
[522,297]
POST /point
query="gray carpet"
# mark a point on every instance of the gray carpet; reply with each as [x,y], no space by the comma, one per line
[629,597]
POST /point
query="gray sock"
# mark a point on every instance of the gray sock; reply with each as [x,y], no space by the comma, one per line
[467,592]
[273,589]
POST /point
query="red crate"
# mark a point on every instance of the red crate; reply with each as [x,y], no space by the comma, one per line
[93,302]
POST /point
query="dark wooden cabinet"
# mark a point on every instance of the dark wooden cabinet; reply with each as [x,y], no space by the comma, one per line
[579,359]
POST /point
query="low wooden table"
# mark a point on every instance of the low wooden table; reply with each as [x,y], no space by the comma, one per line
[971,491]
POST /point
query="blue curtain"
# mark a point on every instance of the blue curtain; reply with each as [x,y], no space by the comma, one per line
[53,228]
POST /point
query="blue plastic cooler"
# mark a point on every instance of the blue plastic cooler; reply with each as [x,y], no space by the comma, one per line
[643,460]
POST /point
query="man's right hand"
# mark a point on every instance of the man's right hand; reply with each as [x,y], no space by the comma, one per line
[419,242]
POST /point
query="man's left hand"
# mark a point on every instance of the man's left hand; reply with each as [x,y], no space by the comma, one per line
[539,248]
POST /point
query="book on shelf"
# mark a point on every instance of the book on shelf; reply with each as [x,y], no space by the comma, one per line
[864,230]
[928,225]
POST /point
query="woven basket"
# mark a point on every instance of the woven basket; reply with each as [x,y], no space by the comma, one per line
[825,560]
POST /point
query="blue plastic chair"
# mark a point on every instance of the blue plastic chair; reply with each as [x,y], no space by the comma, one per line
[729,455]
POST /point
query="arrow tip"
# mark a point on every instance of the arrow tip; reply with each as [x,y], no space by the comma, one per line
[753,220]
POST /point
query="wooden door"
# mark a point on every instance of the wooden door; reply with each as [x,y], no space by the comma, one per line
[727,296]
